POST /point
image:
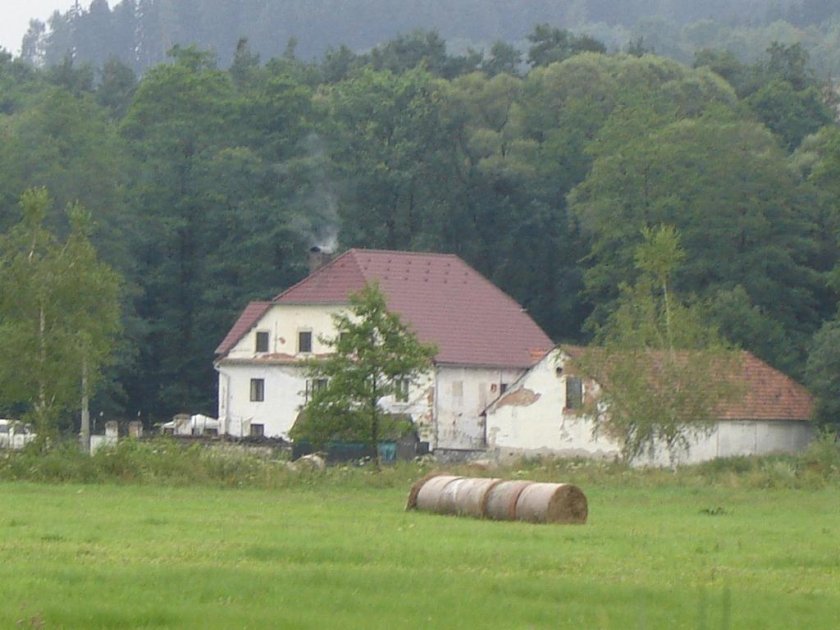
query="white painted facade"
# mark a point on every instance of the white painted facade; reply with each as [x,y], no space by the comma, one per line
[446,406]
[463,392]
[534,418]
[261,392]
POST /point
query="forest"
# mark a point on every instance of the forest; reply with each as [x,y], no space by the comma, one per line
[141,32]
[540,166]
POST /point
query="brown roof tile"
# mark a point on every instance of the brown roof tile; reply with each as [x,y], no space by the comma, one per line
[444,300]
[768,393]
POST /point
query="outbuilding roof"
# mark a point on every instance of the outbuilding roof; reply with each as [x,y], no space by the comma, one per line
[444,300]
[768,394]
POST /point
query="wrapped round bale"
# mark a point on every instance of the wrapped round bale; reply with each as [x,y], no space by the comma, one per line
[499,499]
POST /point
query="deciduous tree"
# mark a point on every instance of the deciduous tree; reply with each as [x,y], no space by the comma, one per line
[374,351]
[663,372]
[59,314]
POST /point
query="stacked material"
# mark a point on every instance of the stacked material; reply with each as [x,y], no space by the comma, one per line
[499,499]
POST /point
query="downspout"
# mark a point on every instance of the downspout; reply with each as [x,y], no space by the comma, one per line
[435,414]
[224,421]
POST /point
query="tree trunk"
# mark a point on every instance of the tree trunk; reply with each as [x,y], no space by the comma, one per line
[374,427]
[84,434]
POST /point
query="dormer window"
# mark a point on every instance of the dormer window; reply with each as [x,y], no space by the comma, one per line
[262,341]
[305,341]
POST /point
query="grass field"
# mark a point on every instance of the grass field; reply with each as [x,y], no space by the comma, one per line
[346,555]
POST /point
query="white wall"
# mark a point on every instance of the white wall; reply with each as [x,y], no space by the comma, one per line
[283,322]
[531,419]
[285,380]
[462,395]
[284,387]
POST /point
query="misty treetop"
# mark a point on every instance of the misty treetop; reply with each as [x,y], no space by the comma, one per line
[139,33]
[207,185]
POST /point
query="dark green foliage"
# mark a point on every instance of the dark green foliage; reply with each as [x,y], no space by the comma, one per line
[822,373]
[207,186]
[550,45]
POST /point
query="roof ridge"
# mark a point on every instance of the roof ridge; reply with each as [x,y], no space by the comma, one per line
[401,252]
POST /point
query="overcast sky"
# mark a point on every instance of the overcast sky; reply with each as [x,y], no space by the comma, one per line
[15,16]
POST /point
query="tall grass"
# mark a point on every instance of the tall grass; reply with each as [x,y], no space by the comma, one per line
[165,461]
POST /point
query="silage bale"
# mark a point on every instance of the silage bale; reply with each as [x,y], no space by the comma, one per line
[551,503]
[500,503]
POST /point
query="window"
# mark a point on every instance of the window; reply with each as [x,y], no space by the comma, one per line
[305,341]
[262,341]
[574,392]
[257,430]
[257,390]
[401,386]
[502,388]
[314,385]
[458,393]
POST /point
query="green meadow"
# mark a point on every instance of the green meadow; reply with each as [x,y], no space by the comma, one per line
[337,550]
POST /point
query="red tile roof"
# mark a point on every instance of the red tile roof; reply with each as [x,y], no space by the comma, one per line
[444,300]
[768,393]
[247,320]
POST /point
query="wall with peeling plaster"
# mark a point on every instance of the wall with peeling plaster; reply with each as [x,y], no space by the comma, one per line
[462,394]
[532,419]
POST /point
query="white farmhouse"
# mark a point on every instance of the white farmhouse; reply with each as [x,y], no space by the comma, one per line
[485,342]
[542,414]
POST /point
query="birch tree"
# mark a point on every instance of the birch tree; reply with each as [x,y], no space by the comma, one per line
[664,373]
[59,315]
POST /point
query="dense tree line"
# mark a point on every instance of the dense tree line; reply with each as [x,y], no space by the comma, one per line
[140,32]
[207,185]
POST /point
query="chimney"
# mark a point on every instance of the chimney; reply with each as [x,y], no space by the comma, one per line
[318,258]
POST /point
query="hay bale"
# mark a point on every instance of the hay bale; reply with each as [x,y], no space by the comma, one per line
[499,499]
[552,503]
[313,461]
[411,503]
[500,503]
[472,496]
[430,493]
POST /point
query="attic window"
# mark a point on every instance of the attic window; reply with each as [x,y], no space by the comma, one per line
[262,341]
[305,341]
[574,392]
